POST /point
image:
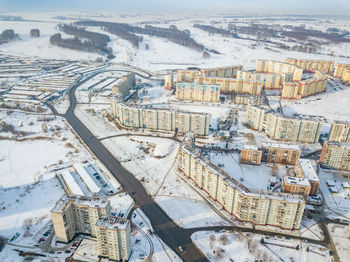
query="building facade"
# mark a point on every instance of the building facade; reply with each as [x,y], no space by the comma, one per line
[240,99]
[280,153]
[160,119]
[226,72]
[296,185]
[78,214]
[310,65]
[335,155]
[340,131]
[114,238]
[245,204]
[269,80]
[283,128]
[168,81]
[269,66]
[197,92]
[251,155]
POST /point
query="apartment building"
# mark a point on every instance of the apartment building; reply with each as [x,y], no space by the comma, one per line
[114,238]
[240,99]
[285,128]
[280,153]
[168,81]
[232,85]
[225,72]
[198,92]
[269,80]
[305,88]
[78,214]
[186,75]
[345,77]
[269,66]
[296,185]
[305,169]
[251,155]
[339,69]
[245,204]
[335,155]
[310,65]
[160,119]
[340,131]
[124,84]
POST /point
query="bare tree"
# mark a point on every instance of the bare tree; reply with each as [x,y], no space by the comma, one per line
[224,239]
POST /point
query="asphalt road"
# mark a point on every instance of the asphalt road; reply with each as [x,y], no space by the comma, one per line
[173,235]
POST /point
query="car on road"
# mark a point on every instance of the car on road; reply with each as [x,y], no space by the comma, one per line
[181,249]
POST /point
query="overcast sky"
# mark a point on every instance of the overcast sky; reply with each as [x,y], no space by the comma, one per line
[331,7]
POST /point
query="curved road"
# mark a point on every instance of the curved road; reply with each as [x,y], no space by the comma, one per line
[173,235]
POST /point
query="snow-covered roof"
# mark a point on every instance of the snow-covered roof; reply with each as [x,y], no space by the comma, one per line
[282,146]
[113,222]
[66,200]
[71,183]
[250,147]
[308,169]
[296,181]
[90,183]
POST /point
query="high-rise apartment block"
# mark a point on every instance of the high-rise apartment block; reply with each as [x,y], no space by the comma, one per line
[114,238]
[198,92]
[335,155]
[342,71]
[78,214]
[304,88]
[269,66]
[232,85]
[246,204]
[286,128]
[310,65]
[160,119]
[269,80]
[225,72]
[168,81]
[340,132]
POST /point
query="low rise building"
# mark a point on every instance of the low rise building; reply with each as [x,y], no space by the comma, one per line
[340,131]
[296,185]
[245,204]
[305,169]
[198,92]
[241,99]
[310,65]
[285,128]
[280,153]
[251,155]
[78,214]
[335,155]
[114,238]
[160,119]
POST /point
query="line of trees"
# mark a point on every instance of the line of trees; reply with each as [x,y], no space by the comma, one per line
[83,40]
[215,30]
[7,36]
[129,32]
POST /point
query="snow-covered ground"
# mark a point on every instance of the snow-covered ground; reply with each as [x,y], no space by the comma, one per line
[341,239]
[228,246]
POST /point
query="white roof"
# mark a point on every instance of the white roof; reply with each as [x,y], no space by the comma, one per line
[345,184]
[283,146]
[250,147]
[308,169]
[296,181]
[90,183]
[71,183]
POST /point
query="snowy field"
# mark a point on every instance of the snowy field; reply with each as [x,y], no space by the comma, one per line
[163,54]
[228,246]
[341,239]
